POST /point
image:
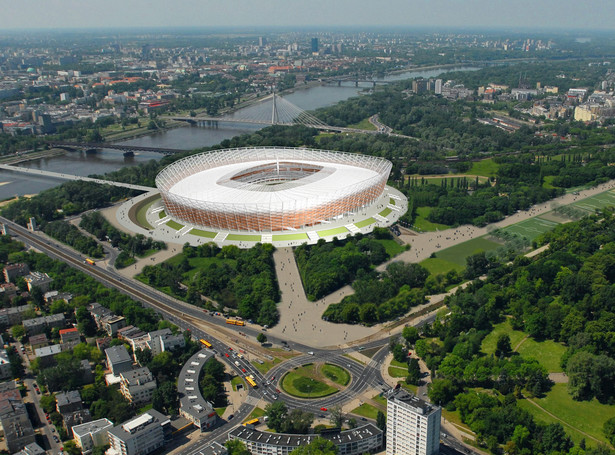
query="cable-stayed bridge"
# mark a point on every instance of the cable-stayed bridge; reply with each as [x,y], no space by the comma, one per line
[275,110]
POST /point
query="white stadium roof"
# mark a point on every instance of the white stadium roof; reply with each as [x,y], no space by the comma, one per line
[211,184]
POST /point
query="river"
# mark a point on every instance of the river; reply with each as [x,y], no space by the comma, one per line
[79,163]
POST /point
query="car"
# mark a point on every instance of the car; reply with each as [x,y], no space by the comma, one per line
[311,352]
[273,378]
[230,348]
[363,418]
[38,392]
[55,438]
[243,370]
[231,417]
[53,430]
[323,409]
[278,390]
[226,355]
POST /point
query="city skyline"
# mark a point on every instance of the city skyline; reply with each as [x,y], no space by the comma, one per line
[71,14]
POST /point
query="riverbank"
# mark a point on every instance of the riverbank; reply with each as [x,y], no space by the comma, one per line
[31,155]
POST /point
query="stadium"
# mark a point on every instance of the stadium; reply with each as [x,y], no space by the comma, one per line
[270,189]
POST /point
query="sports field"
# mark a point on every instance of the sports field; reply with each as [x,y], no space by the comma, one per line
[531,228]
[596,202]
[458,253]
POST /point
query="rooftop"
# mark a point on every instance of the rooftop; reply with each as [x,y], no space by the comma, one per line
[117,354]
[92,427]
[131,428]
[65,398]
[410,401]
[296,440]
[48,350]
[190,398]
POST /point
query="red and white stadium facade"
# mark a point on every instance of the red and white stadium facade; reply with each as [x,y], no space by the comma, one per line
[268,189]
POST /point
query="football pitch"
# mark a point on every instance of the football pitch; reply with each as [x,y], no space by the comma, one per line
[531,228]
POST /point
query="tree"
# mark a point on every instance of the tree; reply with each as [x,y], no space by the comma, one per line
[165,399]
[261,338]
[410,334]
[399,353]
[48,403]
[609,430]
[18,331]
[319,446]
[414,372]
[579,371]
[277,412]
[337,416]
[236,447]
[503,347]
[381,421]
[298,422]
[441,391]
[70,447]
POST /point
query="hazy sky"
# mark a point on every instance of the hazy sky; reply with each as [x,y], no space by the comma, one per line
[537,14]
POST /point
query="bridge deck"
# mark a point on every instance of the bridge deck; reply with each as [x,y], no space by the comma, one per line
[61,176]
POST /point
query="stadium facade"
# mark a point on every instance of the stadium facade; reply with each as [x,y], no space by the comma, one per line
[271,189]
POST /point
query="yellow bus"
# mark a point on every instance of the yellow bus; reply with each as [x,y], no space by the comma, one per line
[235,322]
[205,343]
[251,381]
[252,422]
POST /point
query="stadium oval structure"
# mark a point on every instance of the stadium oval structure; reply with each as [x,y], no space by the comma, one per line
[270,189]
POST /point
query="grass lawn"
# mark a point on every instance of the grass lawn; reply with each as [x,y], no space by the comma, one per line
[489,342]
[336,374]
[395,363]
[367,222]
[422,224]
[370,352]
[385,212]
[597,202]
[366,410]
[548,353]
[380,400]
[142,215]
[398,372]
[587,416]
[437,266]
[266,365]
[237,380]
[363,125]
[547,181]
[531,228]
[257,413]
[174,225]
[410,387]
[162,214]
[391,246]
[201,233]
[486,168]
[303,382]
[197,263]
[145,408]
[220,411]
[391,201]
[455,418]
[282,237]
[244,238]
[460,252]
[334,231]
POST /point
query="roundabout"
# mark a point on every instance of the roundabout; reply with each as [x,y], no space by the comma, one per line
[313,381]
